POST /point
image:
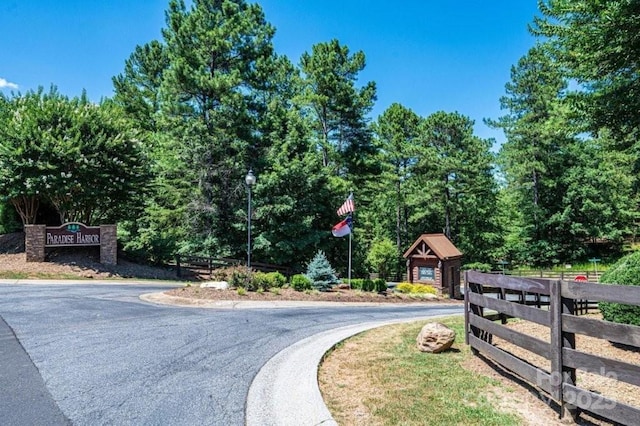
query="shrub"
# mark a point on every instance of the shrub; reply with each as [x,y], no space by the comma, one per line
[260,281]
[365,284]
[356,283]
[320,272]
[379,285]
[624,272]
[300,282]
[423,289]
[276,279]
[409,288]
[236,276]
[404,287]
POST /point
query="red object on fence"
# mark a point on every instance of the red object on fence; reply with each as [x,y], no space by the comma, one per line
[580,278]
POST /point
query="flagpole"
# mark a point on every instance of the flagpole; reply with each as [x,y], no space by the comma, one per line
[350,233]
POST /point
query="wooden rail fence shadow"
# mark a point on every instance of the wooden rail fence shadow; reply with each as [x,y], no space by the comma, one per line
[203,265]
[552,303]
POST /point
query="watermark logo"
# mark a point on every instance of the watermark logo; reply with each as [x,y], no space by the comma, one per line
[583,399]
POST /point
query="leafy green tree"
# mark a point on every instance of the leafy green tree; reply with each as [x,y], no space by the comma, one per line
[383,257]
[599,203]
[81,157]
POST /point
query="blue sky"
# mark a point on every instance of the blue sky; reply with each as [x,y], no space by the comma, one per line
[426,55]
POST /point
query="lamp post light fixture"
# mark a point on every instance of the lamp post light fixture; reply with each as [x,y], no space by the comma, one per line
[250,180]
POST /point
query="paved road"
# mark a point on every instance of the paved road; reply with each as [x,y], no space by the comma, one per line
[106,357]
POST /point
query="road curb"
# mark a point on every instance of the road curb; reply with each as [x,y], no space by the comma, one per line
[286,392]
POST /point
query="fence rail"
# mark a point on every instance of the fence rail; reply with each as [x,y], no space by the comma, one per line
[569,274]
[559,315]
[203,265]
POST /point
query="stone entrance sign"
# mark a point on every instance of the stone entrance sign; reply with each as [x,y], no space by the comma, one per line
[73,234]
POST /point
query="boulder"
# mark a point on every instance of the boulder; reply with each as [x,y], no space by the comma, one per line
[435,338]
[218,285]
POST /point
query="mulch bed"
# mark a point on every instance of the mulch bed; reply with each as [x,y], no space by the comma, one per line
[288,294]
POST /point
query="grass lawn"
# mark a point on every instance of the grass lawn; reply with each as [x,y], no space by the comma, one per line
[380,378]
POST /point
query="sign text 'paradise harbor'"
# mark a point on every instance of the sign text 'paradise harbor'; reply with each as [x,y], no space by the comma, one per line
[73,234]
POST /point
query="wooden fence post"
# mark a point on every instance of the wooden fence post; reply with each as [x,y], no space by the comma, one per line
[559,340]
[555,310]
[466,308]
[178,272]
[568,341]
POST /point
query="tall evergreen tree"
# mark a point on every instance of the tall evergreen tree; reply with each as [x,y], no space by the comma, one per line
[396,133]
[597,45]
[535,154]
[458,195]
[137,89]
[337,108]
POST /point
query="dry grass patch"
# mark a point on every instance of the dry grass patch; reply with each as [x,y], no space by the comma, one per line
[380,378]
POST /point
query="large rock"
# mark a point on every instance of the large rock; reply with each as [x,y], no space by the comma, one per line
[218,285]
[435,338]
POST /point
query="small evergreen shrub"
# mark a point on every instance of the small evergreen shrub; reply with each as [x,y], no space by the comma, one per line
[367,285]
[356,283]
[624,272]
[300,282]
[320,272]
[379,285]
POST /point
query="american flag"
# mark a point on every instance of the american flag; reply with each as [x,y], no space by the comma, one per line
[347,207]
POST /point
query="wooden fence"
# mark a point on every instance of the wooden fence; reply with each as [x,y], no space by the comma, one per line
[569,274]
[203,265]
[489,292]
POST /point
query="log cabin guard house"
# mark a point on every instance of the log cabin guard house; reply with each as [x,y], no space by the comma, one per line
[433,259]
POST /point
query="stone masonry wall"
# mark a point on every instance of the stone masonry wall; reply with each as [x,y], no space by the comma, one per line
[108,245]
[35,238]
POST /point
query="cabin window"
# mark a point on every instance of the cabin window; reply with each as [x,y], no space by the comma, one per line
[426,273]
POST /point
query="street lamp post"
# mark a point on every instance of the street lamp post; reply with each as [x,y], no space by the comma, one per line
[250,180]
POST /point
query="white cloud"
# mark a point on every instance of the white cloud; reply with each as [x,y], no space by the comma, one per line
[4,83]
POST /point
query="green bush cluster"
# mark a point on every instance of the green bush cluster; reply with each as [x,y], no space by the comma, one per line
[268,280]
[366,284]
[247,279]
[236,276]
[408,288]
[624,272]
[300,282]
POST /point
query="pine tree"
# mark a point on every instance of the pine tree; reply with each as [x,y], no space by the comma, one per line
[320,272]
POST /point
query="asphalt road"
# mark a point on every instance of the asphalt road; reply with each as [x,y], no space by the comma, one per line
[96,354]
